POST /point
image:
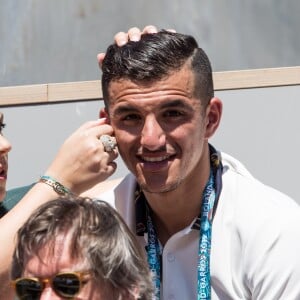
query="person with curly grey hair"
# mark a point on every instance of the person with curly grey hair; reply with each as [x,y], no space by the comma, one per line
[79,248]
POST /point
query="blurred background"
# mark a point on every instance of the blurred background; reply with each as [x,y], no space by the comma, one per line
[57,41]
[45,41]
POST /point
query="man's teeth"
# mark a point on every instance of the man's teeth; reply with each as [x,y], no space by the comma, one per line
[155,159]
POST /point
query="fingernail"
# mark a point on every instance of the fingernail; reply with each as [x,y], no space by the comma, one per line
[135,38]
[122,42]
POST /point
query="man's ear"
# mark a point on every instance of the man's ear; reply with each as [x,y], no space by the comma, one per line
[213,116]
[103,113]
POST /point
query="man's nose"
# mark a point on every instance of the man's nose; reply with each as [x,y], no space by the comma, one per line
[152,136]
[5,145]
[48,294]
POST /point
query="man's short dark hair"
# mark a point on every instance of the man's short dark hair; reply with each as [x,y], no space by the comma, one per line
[157,56]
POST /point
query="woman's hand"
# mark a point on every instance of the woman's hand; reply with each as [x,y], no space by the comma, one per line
[121,38]
[82,161]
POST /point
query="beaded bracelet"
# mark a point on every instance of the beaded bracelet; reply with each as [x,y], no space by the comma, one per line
[57,186]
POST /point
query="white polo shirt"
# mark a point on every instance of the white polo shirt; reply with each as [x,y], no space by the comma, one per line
[255,241]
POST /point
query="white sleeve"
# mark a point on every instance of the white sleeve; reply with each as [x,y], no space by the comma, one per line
[272,261]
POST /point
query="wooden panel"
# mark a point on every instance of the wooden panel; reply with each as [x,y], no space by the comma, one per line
[74,91]
[256,78]
[14,95]
[90,90]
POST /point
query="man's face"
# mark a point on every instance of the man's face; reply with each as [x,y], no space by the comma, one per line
[47,264]
[160,129]
[5,147]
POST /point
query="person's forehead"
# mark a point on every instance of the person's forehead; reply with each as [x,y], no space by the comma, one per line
[182,79]
[54,258]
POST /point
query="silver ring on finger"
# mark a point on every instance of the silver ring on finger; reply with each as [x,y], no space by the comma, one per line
[109,142]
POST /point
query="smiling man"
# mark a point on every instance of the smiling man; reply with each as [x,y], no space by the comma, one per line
[210,230]
[157,125]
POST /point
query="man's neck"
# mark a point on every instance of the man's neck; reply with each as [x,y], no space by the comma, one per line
[175,210]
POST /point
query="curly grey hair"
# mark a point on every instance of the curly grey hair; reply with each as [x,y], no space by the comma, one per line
[99,237]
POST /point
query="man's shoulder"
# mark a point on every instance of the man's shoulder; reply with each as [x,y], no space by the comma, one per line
[247,192]
[121,197]
[102,187]
[118,190]
[113,190]
[232,164]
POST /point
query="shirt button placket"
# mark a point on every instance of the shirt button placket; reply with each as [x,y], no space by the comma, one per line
[171,259]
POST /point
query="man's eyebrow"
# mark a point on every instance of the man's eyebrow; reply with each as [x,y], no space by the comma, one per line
[176,104]
[123,109]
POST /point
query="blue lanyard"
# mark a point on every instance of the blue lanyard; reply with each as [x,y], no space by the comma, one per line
[154,256]
[203,268]
[209,200]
